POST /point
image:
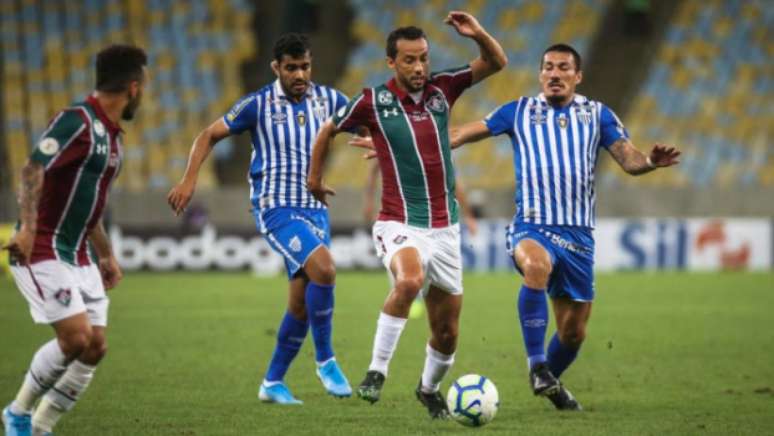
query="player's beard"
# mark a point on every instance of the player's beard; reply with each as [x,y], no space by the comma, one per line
[131,108]
[409,85]
[556,100]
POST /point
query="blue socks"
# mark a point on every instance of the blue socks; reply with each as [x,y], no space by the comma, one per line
[559,356]
[533,314]
[289,340]
[319,309]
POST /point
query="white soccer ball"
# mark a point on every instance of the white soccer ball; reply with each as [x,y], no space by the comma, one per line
[473,400]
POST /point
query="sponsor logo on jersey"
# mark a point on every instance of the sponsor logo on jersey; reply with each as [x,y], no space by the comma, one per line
[63,296]
[102,149]
[419,116]
[99,128]
[385,97]
[390,112]
[341,111]
[295,244]
[279,118]
[113,161]
[537,118]
[48,146]
[399,239]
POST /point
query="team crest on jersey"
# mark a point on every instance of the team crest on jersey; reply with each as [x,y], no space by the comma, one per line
[385,97]
[584,116]
[435,103]
[48,146]
[319,112]
[301,118]
[113,161]
[295,244]
[399,239]
[99,128]
[63,296]
[279,118]
[562,121]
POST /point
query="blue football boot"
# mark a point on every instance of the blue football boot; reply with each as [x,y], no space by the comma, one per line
[277,393]
[16,425]
[333,379]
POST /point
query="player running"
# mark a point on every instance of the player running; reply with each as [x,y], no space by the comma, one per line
[283,119]
[417,234]
[64,188]
[556,138]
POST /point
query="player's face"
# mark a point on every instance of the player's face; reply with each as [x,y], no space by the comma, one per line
[559,77]
[411,63]
[294,74]
[135,97]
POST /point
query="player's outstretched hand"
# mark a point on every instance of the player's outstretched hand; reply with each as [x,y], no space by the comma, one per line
[110,271]
[464,23]
[319,190]
[664,156]
[20,246]
[364,142]
[180,195]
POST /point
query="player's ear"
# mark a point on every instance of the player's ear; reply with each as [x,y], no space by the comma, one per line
[579,77]
[391,63]
[275,67]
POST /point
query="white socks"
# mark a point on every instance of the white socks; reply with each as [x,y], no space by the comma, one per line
[437,365]
[46,368]
[388,330]
[63,395]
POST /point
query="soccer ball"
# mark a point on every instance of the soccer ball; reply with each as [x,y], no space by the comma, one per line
[473,400]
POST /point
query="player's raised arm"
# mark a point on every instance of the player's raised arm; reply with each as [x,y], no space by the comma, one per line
[319,156]
[181,194]
[20,245]
[492,57]
[635,162]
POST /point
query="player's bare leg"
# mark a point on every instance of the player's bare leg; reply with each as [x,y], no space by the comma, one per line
[319,299]
[443,310]
[571,320]
[535,264]
[406,267]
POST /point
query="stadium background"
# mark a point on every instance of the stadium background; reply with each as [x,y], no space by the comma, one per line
[668,352]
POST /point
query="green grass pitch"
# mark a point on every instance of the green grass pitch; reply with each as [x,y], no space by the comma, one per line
[666,353]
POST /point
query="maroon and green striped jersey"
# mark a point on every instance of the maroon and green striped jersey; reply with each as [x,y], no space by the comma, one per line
[81,154]
[412,145]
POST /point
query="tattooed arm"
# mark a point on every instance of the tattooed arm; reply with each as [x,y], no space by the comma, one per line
[20,245]
[635,162]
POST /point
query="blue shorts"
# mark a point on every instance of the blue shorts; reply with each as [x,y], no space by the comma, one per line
[572,256]
[294,233]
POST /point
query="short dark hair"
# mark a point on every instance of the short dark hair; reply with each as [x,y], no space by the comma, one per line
[118,65]
[294,45]
[564,48]
[411,33]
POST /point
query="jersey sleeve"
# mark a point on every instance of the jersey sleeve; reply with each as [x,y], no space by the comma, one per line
[453,82]
[339,101]
[501,120]
[63,129]
[354,114]
[611,128]
[243,115]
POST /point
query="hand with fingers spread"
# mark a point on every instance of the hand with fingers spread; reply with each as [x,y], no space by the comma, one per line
[179,197]
[663,156]
[464,23]
[364,142]
[20,245]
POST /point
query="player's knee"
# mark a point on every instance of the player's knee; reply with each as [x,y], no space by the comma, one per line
[408,287]
[572,336]
[537,271]
[98,349]
[326,274]
[75,343]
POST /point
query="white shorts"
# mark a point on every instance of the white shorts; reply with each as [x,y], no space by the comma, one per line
[439,249]
[57,290]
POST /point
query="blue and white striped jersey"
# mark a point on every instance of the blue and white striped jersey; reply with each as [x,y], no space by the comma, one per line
[282,133]
[554,155]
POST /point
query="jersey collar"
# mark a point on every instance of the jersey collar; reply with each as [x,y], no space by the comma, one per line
[94,103]
[576,99]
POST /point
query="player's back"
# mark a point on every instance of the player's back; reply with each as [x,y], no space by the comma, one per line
[81,155]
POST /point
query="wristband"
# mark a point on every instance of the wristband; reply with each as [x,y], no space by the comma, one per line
[650,163]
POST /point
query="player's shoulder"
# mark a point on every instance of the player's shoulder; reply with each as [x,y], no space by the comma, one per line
[77,114]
